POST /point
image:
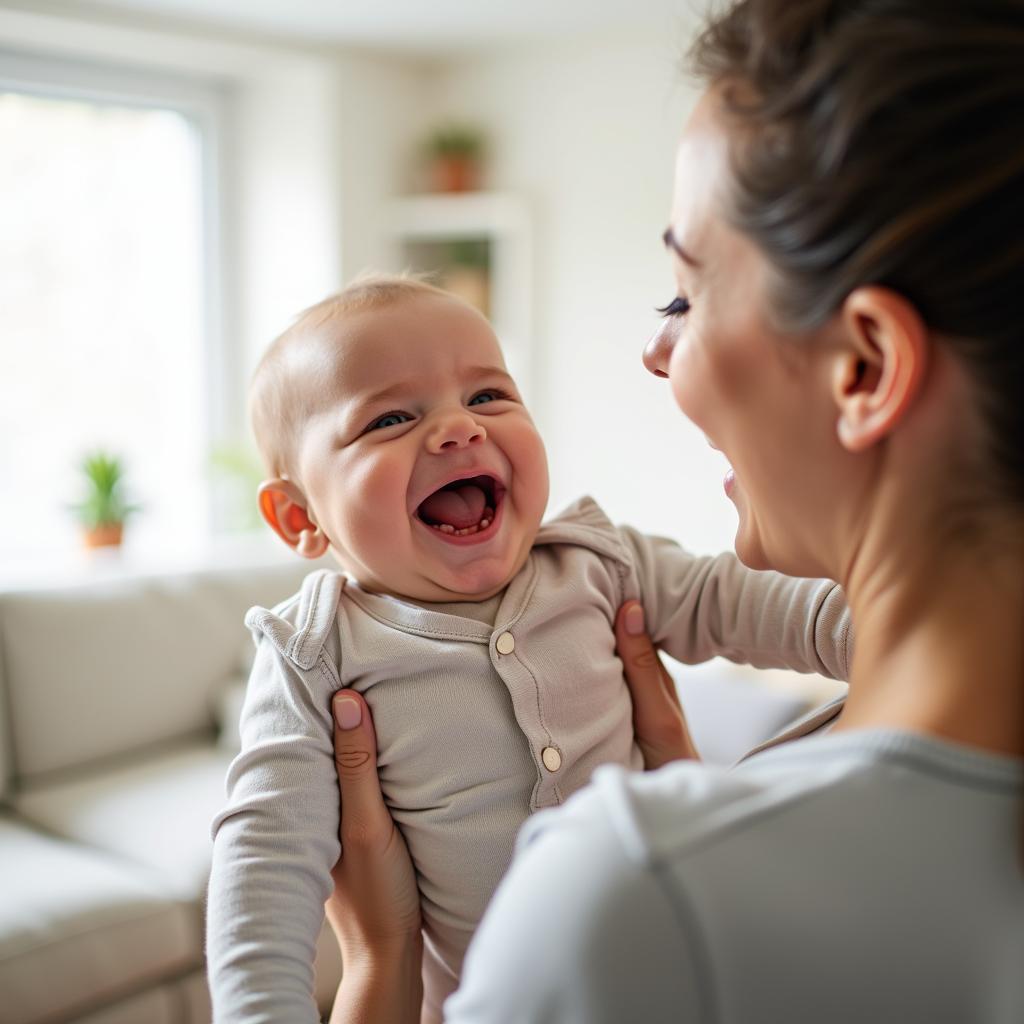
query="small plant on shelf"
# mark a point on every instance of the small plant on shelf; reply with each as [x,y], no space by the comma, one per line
[104,510]
[455,152]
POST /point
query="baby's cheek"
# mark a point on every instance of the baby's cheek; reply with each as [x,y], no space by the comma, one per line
[533,471]
[378,497]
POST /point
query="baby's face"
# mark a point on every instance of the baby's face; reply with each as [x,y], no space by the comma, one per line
[423,467]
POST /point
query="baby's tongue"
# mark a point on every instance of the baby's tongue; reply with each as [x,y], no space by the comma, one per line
[461,506]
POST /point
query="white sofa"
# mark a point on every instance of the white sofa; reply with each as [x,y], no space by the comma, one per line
[111,769]
[112,763]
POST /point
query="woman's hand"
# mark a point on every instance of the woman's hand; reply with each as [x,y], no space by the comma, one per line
[375,907]
[658,719]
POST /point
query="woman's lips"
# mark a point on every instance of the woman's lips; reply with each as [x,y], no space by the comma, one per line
[730,482]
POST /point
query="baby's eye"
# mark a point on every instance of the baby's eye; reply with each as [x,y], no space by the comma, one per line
[677,307]
[391,419]
[490,395]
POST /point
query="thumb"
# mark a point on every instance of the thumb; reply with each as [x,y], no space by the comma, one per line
[633,644]
[650,684]
[355,757]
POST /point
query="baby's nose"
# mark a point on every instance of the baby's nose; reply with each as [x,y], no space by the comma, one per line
[456,431]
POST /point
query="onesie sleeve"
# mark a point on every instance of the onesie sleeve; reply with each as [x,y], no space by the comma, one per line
[276,840]
[700,606]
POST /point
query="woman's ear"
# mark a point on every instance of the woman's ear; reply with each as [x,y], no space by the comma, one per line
[879,367]
[285,509]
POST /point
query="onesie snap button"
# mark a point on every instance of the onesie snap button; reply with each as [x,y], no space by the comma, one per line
[506,643]
[552,759]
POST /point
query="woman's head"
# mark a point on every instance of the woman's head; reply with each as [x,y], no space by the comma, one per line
[852,185]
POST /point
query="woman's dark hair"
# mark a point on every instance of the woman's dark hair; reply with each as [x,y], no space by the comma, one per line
[882,142]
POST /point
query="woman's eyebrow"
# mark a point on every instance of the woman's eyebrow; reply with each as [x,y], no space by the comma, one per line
[671,242]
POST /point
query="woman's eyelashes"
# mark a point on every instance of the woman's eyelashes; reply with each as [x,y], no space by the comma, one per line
[677,307]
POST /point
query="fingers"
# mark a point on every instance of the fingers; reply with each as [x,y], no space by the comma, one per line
[650,682]
[364,817]
[658,718]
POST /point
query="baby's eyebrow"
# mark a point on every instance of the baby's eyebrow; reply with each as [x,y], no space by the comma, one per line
[402,388]
[488,371]
[397,390]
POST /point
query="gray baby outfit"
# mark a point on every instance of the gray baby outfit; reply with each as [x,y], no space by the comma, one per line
[478,726]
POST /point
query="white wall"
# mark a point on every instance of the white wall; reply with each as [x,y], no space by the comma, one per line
[384,106]
[586,129]
[316,139]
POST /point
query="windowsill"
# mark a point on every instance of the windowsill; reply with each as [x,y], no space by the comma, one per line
[257,549]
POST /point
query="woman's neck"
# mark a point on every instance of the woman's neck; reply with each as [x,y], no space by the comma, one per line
[939,643]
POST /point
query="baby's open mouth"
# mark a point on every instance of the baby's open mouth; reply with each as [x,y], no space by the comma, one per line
[462,507]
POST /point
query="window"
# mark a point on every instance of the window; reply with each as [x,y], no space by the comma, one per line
[109,302]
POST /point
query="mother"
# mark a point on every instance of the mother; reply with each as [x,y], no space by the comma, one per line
[847,236]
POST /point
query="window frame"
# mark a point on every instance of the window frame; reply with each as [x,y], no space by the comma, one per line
[205,102]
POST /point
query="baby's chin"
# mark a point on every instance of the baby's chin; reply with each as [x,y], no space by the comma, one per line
[471,583]
[476,584]
[437,579]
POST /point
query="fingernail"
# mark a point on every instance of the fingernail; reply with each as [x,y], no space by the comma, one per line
[347,713]
[635,620]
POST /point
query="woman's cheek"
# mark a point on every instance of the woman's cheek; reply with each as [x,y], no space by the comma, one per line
[690,386]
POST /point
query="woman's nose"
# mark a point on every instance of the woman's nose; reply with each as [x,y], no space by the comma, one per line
[454,431]
[658,352]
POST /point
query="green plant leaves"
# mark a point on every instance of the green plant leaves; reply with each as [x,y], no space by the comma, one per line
[104,503]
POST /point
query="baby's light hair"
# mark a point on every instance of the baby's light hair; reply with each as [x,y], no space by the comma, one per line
[286,384]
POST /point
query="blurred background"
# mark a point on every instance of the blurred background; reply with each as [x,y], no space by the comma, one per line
[178,179]
[181,177]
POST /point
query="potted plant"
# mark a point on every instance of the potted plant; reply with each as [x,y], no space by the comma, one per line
[466,271]
[455,153]
[104,510]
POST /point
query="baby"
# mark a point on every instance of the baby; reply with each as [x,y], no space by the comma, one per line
[482,640]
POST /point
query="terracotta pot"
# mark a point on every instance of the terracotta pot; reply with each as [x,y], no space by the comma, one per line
[455,173]
[107,535]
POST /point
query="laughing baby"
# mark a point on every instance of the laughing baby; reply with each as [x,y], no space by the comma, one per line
[482,639]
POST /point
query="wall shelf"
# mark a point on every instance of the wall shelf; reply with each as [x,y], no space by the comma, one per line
[478,244]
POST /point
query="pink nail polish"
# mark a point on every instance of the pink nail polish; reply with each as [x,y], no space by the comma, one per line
[635,620]
[347,712]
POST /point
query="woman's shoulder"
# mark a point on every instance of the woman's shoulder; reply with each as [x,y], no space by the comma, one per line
[578,931]
[648,896]
[586,914]
[686,809]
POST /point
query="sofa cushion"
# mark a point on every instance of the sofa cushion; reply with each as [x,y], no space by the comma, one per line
[159,1005]
[732,708]
[178,1002]
[6,753]
[228,714]
[154,812]
[116,666]
[79,928]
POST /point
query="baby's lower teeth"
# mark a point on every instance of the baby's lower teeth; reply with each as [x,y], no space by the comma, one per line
[482,525]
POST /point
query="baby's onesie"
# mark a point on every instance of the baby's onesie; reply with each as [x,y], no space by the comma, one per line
[477,727]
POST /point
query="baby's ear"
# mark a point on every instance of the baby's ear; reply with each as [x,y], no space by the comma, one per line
[284,507]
